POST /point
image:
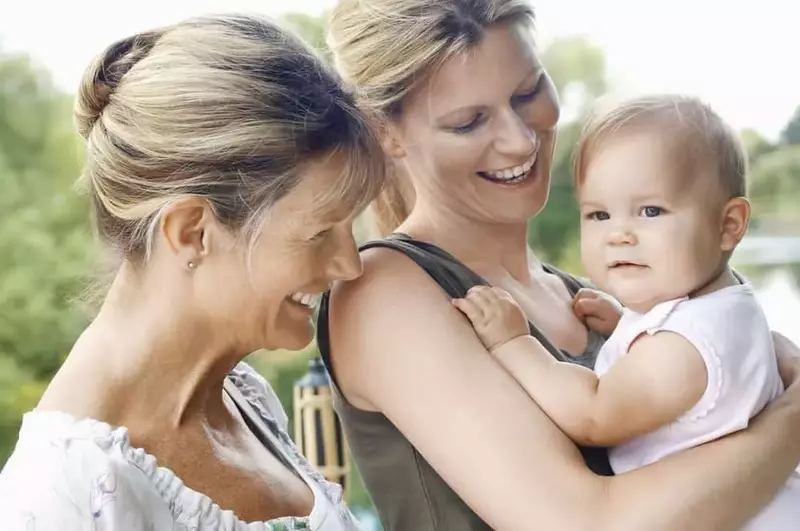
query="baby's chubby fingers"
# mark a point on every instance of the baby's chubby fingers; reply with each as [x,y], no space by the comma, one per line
[587,293]
[586,306]
[483,296]
[470,308]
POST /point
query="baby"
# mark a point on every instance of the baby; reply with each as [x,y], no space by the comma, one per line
[661,186]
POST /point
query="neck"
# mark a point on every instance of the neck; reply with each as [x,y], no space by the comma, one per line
[480,245]
[150,364]
[722,278]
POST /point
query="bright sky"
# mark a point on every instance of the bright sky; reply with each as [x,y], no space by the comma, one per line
[735,55]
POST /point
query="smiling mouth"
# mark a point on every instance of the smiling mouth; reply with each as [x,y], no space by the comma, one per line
[514,174]
[306,300]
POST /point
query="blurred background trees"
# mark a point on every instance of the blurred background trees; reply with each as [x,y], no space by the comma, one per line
[45,241]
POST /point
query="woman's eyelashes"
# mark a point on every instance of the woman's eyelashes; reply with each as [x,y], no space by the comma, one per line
[469,126]
[516,101]
[528,97]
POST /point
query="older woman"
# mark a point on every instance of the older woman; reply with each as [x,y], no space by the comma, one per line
[225,165]
[444,437]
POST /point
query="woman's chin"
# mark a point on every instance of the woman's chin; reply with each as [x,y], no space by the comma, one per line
[301,340]
[513,204]
[519,212]
[296,326]
[291,329]
[294,335]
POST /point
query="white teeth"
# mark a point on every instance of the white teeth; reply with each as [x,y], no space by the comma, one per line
[306,299]
[527,166]
[517,173]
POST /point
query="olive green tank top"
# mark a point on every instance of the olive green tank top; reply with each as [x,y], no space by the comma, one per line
[408,494]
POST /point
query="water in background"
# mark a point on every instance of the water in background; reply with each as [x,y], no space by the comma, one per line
[779,296]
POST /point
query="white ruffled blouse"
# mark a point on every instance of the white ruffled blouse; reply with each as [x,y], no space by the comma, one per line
[82,474]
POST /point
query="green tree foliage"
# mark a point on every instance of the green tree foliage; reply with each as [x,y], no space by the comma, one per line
[311,29]
[791,133]
[554,230]
[775,189]
[575,63]
[45,245]
[774,179]
[577,67]
[754,144]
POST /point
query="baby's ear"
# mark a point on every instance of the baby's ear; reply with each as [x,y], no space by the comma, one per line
[734,221]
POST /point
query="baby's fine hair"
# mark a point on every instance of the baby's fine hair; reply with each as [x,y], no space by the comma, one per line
[700,138]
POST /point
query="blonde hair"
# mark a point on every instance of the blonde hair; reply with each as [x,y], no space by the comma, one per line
[696,133]
[229,109]
[386,48]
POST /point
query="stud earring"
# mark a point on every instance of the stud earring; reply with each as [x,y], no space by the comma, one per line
[192,264]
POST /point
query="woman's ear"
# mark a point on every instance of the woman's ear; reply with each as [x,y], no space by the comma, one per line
[185,228]
[392,141]
[735,220]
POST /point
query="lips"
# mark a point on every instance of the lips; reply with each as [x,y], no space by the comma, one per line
[625,264]
[513,174]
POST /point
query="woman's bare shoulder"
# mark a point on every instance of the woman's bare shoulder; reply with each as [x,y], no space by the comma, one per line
[388,275]
[391,315]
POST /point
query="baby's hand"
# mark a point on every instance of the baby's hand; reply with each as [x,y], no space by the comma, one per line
[599,311]
[495,316]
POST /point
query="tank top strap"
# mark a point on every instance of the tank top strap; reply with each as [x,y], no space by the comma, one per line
[448,272]
[444,269]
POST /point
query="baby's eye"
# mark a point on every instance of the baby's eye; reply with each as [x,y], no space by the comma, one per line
[651,211]
[598,215]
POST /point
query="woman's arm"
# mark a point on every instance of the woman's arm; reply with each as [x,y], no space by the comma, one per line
[719,485]
[467,410]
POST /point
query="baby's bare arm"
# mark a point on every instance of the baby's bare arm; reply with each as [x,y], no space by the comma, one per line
[659,379]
